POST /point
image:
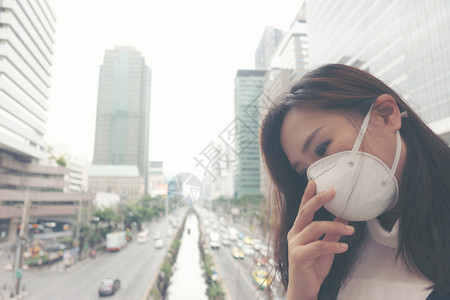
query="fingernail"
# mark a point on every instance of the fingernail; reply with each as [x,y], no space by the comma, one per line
[343,246]
[349,228]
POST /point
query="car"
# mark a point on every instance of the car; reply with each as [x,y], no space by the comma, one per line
[264,250]
[223,229]
[248,250]
[233,233]
[260,260]
[159,243]
[261,278]
[240,235]
[157,235]
[240,244]
[256,244]
[247,240]
[214,240]
[226,242]
[108,286]
[142,237]
[237,253]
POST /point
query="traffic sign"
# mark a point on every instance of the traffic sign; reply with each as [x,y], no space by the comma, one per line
[19,273]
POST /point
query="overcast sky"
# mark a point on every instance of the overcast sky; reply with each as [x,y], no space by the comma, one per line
[193,48]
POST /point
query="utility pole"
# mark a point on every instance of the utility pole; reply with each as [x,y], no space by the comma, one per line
[77,237]
[166,221]
[21,242]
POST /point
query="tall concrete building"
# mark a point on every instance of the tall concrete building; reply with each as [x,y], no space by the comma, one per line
[404,43]
[27,41]
[266,48]
[276,82]
[123,109]
[27,31]
[247,90]
[288,64]
[292,52]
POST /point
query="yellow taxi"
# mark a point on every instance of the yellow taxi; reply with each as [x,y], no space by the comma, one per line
[247,240]
[261,278]
[237,253]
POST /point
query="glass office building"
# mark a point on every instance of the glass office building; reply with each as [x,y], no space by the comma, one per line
[247,90]
[123,108]
[404,43]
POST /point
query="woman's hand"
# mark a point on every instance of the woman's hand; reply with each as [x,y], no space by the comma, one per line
[310,259]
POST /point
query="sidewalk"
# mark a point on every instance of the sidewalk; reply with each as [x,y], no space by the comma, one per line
[4,295]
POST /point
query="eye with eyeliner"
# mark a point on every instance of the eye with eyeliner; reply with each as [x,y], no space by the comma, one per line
[322,148]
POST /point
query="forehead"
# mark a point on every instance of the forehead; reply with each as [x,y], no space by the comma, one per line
[305,117]
[300,122]
[304,120]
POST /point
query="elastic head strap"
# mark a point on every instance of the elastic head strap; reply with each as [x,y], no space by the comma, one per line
[397,154]
[360,137]
[361,132]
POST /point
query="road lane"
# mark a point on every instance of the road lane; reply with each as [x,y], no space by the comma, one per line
[235,274]
[135,265]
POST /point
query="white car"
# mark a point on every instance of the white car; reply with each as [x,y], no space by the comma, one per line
[142,237]
[226,242]
[248,250]
[214,240]
[159,243]
[157,235]
[256,244]
[233,233]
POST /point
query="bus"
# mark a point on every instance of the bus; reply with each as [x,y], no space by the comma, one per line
[116,241]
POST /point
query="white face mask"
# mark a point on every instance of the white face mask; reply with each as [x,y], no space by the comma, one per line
[365,186]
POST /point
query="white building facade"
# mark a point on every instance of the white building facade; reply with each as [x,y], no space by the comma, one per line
[404,43]
[27,31]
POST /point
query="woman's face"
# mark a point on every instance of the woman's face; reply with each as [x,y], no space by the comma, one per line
[308,134]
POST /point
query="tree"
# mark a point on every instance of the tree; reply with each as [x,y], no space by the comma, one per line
[109,216]
[61,161]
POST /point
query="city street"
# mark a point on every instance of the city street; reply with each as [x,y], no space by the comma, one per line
[135,266]
[235,274]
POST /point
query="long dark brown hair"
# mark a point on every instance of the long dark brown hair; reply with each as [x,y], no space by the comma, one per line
[424,198]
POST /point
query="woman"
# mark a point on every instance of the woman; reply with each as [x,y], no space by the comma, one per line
[361,190]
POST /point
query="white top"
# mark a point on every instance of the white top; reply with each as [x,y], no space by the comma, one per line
[378,275]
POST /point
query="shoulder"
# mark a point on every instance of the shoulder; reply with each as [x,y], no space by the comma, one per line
[436,296]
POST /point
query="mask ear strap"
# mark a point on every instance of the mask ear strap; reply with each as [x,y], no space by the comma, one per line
[397,154]
[361,133]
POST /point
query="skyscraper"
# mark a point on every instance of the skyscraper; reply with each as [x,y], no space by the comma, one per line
[288,64]
[123,108]
[404,43]
[292,51]
[267,46]
[27,37]
[27,31]
[247,90]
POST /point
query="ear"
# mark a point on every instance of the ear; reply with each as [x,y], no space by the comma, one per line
[385,110]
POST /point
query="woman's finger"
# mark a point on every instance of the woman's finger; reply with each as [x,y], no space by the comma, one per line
[335,237]
[316,249]
[309,192]
[313,231]
[306,211]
